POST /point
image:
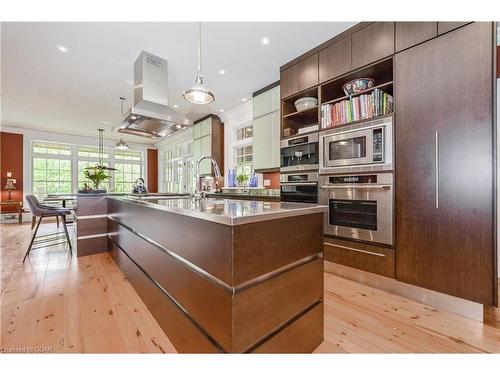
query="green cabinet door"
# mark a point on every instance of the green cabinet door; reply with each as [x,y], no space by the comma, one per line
[275,98]
[196,150]
[197,131]
[262,104]
[261,149]
[275,139]
[206,150]
[206,127]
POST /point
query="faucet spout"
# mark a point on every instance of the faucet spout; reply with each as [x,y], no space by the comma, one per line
[197,192]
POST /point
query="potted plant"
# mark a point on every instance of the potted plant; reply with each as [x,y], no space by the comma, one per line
[97,175]
[242,180]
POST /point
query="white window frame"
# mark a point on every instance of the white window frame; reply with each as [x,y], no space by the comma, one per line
[74,162]
[35,155]
[236,144]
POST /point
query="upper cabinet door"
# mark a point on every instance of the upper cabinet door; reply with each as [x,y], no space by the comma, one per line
[335,60]
[289,81]
[444,27]
[308,72]
[372,43]
[262,104]
[206,127]
[197,130]
[409,34]
[275,98]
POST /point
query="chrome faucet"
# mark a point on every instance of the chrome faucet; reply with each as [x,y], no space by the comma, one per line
[198,194]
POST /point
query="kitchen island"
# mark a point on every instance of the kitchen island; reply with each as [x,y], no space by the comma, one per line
[223,275]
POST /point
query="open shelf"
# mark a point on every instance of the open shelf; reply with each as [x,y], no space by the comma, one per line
[381,73]
[386,87]
[357,122]
[300,114]
[293,119]
[288,106]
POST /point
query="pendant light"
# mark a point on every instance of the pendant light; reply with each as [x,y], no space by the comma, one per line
[100,151]
[121,145]
[199,94]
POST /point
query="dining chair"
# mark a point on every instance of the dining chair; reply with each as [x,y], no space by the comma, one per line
[41,211]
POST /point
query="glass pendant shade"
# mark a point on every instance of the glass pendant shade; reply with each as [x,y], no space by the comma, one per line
[198,93]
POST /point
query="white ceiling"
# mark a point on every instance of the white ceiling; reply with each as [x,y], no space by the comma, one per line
[77,92]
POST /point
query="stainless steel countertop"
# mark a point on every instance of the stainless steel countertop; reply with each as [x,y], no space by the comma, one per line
[228,211]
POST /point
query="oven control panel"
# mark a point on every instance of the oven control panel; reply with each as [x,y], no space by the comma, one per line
[378,145]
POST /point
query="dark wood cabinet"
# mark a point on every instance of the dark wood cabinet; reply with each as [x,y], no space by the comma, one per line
[308,72]
[364,256]
[444,164]
[409,34]
[335,60]
[444,27]
[289,82]
[372,43]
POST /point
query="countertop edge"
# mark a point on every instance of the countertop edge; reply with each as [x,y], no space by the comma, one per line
[226,220]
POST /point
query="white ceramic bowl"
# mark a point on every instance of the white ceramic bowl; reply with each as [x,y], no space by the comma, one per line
[304,103]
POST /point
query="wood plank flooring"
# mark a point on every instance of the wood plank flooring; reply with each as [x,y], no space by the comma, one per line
[86,305]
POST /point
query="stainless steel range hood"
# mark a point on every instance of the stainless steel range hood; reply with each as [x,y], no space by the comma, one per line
[151,116]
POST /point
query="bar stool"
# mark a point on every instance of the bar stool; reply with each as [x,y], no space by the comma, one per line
[40,211]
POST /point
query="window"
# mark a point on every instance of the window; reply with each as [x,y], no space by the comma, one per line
[129,169]
[244,132]
[178,168]
[51,168]
[88,157]
[243,164]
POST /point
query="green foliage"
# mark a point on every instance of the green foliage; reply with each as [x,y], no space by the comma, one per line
[242,178]
[97,175]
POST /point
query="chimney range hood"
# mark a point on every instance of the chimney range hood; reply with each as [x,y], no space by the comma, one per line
[151,116]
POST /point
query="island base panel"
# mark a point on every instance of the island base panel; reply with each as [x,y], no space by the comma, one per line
[303,335]
[183,334]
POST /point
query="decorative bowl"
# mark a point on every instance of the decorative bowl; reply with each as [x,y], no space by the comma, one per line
[358,85]
[305,103]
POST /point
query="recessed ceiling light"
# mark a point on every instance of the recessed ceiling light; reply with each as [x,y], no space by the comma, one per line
[265,40]
[222,72]
[176,106]
[221,110]
[243,99]
[63,49]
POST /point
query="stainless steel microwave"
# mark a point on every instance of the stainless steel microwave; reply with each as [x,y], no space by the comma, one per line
[363,147]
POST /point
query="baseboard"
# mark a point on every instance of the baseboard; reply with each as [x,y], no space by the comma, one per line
[455,305]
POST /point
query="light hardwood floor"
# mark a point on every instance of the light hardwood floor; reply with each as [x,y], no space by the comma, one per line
[87,305]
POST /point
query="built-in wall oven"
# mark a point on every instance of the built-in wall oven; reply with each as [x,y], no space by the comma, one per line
[299,153]
[357,148]
[299,187]
[360,206]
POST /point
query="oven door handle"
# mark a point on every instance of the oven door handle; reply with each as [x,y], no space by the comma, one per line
[298,183]
[384,187]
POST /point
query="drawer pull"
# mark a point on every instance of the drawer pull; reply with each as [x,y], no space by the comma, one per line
[353,249]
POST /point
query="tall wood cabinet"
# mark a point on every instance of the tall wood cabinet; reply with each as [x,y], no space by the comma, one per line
[266,129]
[444,164]
[208,140]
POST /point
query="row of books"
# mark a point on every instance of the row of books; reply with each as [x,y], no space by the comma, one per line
[361,107]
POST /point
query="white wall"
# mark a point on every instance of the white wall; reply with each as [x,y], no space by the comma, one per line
[30,135]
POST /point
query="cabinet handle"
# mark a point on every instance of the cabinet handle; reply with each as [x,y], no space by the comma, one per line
[437,169]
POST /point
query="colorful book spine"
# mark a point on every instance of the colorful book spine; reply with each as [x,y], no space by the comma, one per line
[366,106]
